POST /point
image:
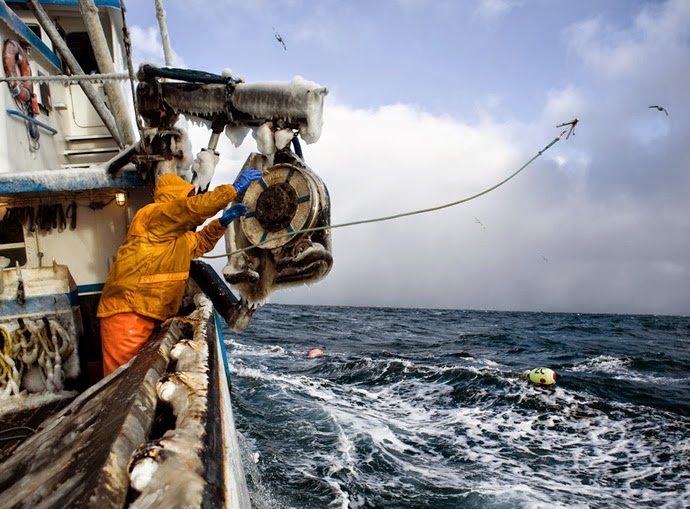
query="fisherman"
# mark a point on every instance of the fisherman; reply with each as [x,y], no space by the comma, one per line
[147,281]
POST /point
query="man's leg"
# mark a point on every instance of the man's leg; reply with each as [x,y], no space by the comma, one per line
[122,336]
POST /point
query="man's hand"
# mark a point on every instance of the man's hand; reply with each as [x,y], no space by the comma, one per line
[237,210]
[246,177]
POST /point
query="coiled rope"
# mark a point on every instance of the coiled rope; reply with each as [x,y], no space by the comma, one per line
[9,374]
[43,341]
[403,214]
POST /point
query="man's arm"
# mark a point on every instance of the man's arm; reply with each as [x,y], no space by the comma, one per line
[203,241]
[181,215]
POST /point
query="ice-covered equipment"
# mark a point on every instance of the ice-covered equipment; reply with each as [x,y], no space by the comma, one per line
[276,252]
[225,104]
[299,102]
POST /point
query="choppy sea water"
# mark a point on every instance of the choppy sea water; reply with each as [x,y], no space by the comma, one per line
[418,408]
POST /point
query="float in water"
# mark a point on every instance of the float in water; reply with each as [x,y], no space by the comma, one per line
[315,352]
[543,376]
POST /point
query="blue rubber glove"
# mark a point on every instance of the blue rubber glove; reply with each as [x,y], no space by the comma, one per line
[246,177]
[237,210]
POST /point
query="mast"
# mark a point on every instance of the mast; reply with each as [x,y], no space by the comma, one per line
[89,12]
[165,36]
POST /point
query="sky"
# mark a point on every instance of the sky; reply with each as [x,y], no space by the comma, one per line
[434,101]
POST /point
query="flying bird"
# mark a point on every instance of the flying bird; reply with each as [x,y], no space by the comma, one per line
[660,108]
[479,223]
[545,259]
[279,38]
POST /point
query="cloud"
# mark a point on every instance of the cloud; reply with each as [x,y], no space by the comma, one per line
[618,52]
[627,69]
[606,252]
[147,47]
[598,223]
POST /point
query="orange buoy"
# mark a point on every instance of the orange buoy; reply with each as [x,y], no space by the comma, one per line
[315,352]
[15,63]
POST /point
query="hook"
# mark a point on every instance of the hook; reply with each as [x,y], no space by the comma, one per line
[570,128]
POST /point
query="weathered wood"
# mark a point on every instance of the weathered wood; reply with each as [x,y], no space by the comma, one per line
[104,59]
[103,450]
[79,456]
[27,414]
[223,462]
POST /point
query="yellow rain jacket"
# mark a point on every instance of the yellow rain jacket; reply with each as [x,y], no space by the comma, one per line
[152,265]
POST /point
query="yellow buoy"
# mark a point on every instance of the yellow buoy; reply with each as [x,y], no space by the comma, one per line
[542,376]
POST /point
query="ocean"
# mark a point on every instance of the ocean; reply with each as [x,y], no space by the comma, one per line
[422,408]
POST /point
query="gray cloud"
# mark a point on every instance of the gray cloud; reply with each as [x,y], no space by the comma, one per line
[599,223]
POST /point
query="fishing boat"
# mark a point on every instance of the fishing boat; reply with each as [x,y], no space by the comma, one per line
[84,139]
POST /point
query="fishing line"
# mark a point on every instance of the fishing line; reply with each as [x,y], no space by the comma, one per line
[411,213]
[15,437]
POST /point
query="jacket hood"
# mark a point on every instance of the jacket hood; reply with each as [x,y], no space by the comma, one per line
[171,187]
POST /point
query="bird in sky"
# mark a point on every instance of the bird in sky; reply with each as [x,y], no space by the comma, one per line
[279,38]
[545,259]
[479,223]
[660,108]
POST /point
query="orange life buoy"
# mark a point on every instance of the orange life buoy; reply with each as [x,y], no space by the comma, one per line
[13,57]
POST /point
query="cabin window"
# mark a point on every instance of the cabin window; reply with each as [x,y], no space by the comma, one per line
[80,46]
[46,103]
[12,244]
[35,29]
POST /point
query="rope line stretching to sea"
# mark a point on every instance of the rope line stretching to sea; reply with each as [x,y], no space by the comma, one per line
[567,131]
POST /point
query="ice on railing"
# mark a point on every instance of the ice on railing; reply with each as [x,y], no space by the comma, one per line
[67,179]
[297,100]
[54,178]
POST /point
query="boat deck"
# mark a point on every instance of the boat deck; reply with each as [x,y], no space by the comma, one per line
[81,453]
[20,420]
[154,412]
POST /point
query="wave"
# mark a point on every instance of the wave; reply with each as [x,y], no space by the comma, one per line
[392,424]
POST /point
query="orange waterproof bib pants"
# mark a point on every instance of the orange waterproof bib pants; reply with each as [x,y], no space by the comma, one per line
[122,336]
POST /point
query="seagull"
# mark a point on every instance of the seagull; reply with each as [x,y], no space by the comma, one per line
[545,258]
[479,223]
[279,39]
[660,108]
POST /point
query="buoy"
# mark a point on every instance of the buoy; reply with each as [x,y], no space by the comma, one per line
[315,352]
[542,376]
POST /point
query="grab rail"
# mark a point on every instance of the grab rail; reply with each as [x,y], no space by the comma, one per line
[51,130]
